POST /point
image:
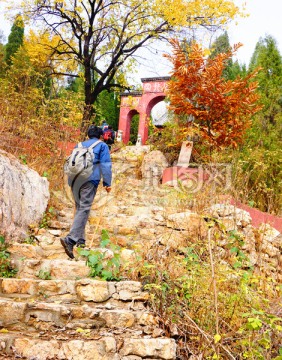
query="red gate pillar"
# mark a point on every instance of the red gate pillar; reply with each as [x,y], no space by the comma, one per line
[143,128]
[124,123]
[128,108]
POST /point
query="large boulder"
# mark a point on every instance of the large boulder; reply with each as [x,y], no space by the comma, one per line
[127,160]
[153,166]
[24,197]
[130,154]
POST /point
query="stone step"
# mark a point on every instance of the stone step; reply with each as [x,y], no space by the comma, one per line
[48,248]
[50,269]
[108,293]
[63,267]
[85,346]
[123,224]
[21,252]
[41,316]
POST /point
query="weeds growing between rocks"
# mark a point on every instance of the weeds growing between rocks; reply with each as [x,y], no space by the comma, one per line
[6,270]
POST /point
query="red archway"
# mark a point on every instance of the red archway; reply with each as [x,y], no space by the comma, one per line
[142,103]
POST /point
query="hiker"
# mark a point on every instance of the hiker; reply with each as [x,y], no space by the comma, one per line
[104,125]
[109,136]
[84,193]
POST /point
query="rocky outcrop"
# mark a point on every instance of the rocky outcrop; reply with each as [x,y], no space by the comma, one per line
[23,196]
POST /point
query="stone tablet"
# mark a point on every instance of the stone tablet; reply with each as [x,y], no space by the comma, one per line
[185,154]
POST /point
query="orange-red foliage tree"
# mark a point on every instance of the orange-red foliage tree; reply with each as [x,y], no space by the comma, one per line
[203,99]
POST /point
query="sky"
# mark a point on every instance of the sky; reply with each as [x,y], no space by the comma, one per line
[264,19]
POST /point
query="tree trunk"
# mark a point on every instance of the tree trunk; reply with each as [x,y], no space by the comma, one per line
[86,119]
[88,109]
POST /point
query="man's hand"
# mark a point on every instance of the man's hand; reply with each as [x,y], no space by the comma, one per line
[108,188]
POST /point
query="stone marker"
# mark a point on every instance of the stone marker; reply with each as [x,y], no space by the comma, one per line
[185,154]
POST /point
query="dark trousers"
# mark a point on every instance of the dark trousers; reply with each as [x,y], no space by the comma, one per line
[83,205]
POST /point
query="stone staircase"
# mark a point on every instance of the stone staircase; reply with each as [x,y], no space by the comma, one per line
[78,319]
[53,310]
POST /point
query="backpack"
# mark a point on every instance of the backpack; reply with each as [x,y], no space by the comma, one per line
[107,135]
[80,163]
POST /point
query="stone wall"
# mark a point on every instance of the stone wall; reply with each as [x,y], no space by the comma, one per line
[263,245]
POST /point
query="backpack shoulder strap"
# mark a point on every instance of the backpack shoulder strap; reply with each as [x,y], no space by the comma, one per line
[91,147]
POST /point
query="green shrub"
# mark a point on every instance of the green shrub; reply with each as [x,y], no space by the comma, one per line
[257,167]
[101,266]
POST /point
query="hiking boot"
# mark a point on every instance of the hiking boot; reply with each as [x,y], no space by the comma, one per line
[68,247]
[80,243]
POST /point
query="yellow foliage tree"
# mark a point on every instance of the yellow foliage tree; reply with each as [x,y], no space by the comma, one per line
[208,13]
[39,47]
[32,125]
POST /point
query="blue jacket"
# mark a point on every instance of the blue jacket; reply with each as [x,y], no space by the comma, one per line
[102,163]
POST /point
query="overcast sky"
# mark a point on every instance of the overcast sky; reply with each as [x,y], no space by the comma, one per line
[264,19]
